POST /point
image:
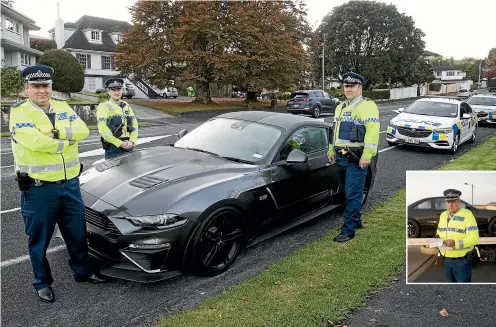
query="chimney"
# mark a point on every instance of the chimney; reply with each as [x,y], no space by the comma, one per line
[59,29]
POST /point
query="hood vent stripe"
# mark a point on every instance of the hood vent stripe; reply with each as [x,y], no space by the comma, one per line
[147,181]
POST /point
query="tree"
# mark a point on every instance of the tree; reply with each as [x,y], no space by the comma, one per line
[370,38]
[491,58]
[42,44]
[251,44]
[68,73]
[12,81]
[468,65]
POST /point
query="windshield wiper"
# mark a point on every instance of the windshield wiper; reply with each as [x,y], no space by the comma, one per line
[203,151]
[237,160]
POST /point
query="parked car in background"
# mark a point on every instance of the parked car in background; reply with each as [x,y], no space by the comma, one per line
[169,92]
[128,91]
[423,217]
[464,93]
[484,105]
[312,102]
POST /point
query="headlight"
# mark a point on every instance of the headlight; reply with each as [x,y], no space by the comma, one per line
[168,220]
[391,125]
[444,130]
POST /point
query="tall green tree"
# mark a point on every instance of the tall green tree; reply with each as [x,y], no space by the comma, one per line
[370,38]
[42,44]
[491,58]
[250,44]
[468,65]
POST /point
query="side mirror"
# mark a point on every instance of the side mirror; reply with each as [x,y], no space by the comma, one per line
[297,157]
[182,133]
[466,116]
[401,109]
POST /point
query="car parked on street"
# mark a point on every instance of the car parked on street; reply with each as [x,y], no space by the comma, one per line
[312,102]
[169,92]
[234,181]
[484,105]
[423,217]
[464,93]
[128,91]
[439,123]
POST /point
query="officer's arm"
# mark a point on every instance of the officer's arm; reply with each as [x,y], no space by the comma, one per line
[134,134]
[78,130]
[333,131]
[102,115]
[370,117]
[25,133]
[471,235]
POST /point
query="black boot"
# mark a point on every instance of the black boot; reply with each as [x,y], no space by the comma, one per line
[343,238]
[46,294]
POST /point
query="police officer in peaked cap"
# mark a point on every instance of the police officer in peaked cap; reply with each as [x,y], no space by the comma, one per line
[44,136]
[458,228]
[354,144]
[117,124]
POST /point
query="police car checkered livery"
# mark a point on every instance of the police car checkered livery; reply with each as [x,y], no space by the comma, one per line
[440,123]
[484,105]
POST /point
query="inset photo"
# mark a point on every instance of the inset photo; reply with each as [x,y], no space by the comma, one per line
[451,227]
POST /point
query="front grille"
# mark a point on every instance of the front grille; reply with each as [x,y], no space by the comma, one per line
[413,132]
[99,220]
[481,114]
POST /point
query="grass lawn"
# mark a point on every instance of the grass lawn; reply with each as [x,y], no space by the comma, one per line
[176,108]
[79,101]
[319,284]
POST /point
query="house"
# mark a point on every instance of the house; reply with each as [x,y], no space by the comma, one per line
[449,75]
[15,39]
[429,56]
[92,40]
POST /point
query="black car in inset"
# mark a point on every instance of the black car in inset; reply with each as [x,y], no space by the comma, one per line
[236,180]
[423,217]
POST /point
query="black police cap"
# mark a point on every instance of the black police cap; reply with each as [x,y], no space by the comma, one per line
[37,74]
[353,78]
[114,83]
[452,194]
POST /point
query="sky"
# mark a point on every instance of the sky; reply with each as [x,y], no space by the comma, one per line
[453,28]
[424,184]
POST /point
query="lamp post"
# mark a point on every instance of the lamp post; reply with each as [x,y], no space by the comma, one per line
[472,192]
[323,45]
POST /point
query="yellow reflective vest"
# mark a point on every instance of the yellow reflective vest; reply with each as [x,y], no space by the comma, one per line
[41,156]
[110,115]
[364,115]
[462,228]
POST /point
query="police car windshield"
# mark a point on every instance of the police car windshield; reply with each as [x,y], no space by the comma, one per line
[482,101]
[432,108]
[233,139]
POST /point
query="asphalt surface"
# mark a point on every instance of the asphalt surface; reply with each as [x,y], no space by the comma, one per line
[121,303]
[482,272]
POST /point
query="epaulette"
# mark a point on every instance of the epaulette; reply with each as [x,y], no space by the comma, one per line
[17,104]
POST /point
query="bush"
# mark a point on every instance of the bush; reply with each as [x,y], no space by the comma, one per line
[68,73]
[474,87]
[337,93]
[12,81]
[283,96]
[435,87]
[381,86]
[377,95]
[102,97]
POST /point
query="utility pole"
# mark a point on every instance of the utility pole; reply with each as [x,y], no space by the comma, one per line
[480,66]
[472,192]
[323,42]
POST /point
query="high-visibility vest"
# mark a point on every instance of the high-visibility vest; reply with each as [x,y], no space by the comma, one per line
[363,114]
[42,157]
[462,228]
[110,115]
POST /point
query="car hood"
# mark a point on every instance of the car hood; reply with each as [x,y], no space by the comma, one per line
[124,182]
[419,121]
[482,108]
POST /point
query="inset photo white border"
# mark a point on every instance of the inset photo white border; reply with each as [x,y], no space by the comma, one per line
[424,264]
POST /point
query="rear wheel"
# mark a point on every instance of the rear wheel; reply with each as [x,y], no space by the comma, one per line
[491,229]
[316,112]
[413,229]
[218,241]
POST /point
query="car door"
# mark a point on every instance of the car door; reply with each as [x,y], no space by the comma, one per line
[329,103]
[299,192]
[465,123]
[426,215]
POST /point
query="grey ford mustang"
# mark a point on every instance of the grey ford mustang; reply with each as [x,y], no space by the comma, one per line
[234,181]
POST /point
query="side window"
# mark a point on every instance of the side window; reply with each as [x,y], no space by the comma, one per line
[424,205]
[306,139]
[463,110]
[440,204]
[468,109]
[326,95]
[318,94]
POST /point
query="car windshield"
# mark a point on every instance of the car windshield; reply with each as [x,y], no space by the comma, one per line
[462,91]
[482,101]
[236,140]
[432,108]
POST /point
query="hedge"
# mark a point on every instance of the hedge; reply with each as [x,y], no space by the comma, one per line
[377,95]
[12,81]
[435,87]
[68,74]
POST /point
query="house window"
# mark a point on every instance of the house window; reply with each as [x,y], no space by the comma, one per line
[25,59]
[91,84]
[95,36]
[9,25]
[18,28]
[84,59]
[106,62]
[450,73]
[438,73]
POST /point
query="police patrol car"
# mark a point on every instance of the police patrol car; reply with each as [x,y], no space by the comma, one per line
[439,123]
[484,105]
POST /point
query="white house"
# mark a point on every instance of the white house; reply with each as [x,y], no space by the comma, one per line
[92,40]
[15,40]
[450,75]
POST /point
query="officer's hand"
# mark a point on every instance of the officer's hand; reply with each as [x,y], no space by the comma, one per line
[363,163]
[71,142]
[449,243]
[332,158]
[123,144]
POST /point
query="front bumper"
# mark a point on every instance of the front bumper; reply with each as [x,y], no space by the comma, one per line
[421,138]
[299,110]
[488,117]
[141,256]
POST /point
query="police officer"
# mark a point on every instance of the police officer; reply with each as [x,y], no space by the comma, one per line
[458,229]
[117,125]
[45,135]
[354,143]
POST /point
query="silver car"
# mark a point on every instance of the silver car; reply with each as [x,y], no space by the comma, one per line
[170,92]
[464,93]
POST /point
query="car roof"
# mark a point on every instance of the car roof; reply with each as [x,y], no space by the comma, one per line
[277,119]
[443,100]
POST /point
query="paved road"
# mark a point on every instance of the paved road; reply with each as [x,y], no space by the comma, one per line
[121,303]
